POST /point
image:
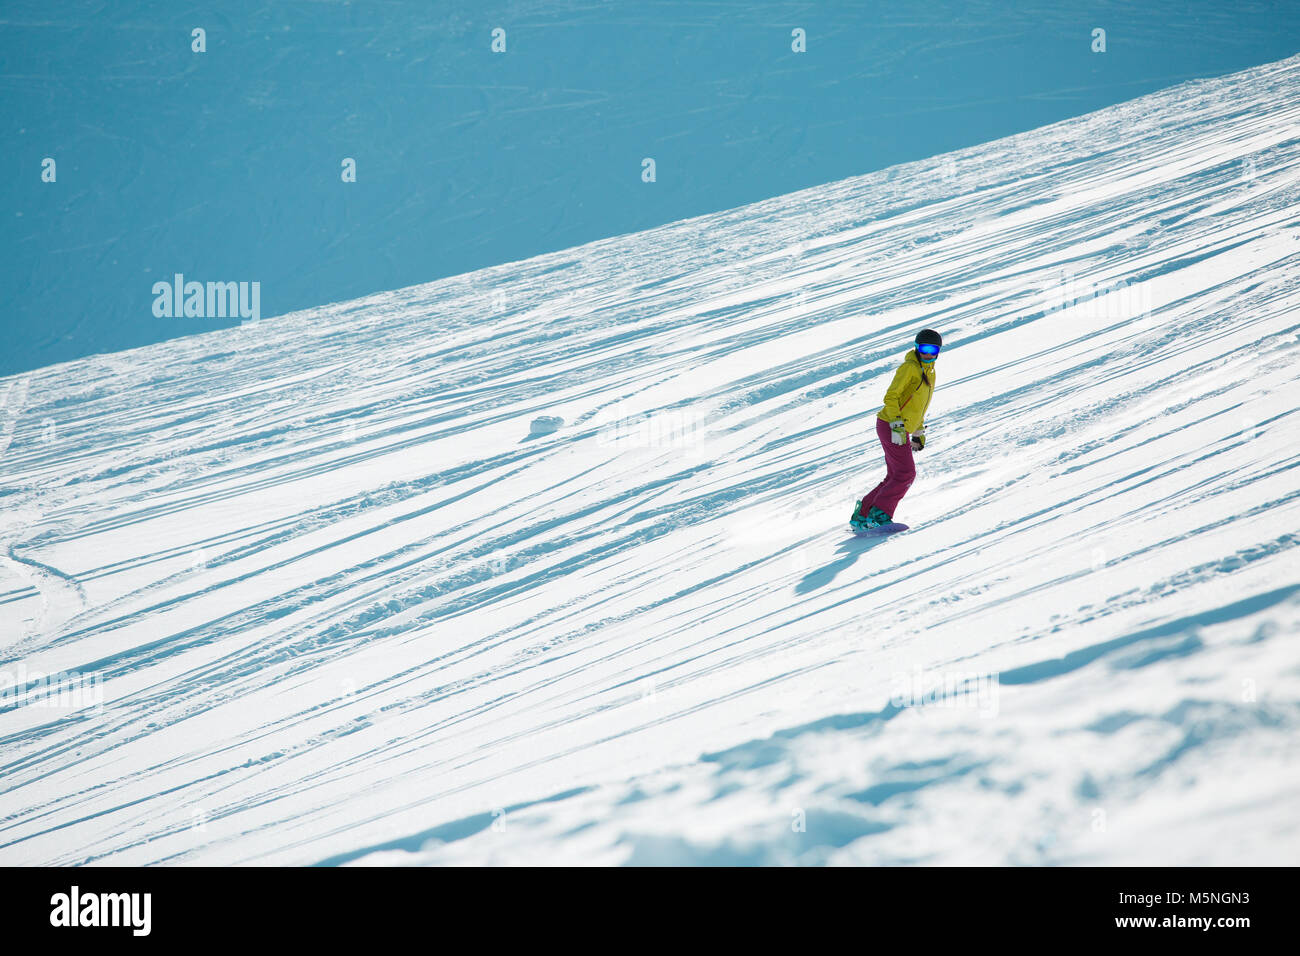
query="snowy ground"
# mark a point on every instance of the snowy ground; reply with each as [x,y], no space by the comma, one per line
[329,601]
[226,165]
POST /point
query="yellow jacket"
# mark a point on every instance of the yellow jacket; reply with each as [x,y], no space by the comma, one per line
[908,395]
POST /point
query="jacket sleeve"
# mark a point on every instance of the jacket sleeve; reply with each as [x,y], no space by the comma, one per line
[904,383]
[926,414]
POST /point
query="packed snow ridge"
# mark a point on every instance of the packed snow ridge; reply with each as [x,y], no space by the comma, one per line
[318,590]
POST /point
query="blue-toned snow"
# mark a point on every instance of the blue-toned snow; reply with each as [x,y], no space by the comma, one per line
[226,165]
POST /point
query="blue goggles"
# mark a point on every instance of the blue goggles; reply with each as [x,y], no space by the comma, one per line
[929,351]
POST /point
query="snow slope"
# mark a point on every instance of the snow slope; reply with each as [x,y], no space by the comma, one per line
[330,601]
[226,165]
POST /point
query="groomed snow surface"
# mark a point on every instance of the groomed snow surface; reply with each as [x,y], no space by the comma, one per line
[320,591]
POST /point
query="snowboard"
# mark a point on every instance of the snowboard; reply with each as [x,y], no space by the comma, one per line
[892,528]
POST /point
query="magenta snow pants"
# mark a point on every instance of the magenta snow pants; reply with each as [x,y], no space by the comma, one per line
[900,472]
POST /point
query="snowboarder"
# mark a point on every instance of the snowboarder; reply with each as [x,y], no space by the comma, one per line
[901,428]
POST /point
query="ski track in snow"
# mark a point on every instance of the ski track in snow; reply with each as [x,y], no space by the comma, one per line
[339,606]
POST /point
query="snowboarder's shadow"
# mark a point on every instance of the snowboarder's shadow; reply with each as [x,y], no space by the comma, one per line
[849,551]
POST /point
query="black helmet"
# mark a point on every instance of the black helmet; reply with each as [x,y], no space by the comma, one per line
[929,337]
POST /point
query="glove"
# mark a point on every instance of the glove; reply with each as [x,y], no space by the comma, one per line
[918,440]
[899,436]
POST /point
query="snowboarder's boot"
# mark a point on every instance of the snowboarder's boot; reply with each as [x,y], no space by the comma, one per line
[876,517]
[859,521]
